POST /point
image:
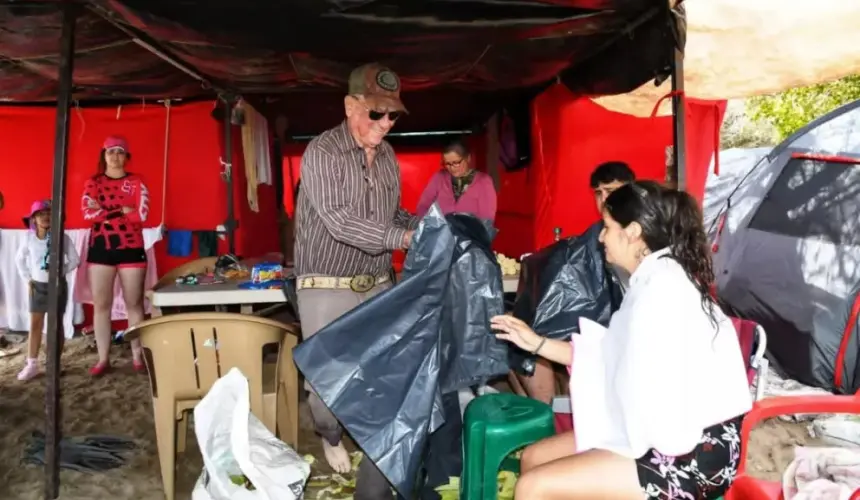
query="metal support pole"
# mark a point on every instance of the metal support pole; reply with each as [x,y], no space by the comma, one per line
[679,152]
[230,224]
[53,417]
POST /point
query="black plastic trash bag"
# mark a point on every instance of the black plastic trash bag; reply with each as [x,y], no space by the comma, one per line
[561,283]
[383,367]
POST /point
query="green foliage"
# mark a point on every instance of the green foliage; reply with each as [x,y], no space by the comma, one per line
[791,110]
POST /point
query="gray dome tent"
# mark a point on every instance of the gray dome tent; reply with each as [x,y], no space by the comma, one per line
[786,244]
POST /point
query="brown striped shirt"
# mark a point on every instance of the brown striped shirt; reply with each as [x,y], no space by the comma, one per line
[348,218]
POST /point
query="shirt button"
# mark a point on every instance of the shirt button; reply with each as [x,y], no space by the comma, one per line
[372,212]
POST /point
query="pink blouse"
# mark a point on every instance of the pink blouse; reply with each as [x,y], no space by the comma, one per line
[479,199]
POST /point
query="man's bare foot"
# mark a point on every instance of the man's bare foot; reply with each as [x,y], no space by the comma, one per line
[337,457]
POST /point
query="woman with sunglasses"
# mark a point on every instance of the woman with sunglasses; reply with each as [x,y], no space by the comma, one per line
[116,202]
[459,188]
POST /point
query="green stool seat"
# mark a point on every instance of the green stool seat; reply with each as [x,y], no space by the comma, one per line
[495,425]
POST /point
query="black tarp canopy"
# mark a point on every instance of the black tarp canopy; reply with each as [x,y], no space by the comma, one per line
[458,59]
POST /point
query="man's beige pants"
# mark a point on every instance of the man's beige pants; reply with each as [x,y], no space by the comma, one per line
[317,308]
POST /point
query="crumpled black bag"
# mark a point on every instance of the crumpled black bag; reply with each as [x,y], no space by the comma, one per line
[561,283]
[383,367]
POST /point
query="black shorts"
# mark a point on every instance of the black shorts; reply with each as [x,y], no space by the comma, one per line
[118,257]
[39,296]
[705,473]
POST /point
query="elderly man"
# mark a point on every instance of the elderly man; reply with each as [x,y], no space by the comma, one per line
[349,221]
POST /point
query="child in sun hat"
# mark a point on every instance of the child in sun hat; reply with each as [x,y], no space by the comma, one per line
[32,263]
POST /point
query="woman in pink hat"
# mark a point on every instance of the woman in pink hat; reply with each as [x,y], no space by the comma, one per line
[117,204]
[32,263]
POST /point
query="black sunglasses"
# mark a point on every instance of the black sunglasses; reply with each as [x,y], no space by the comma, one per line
[378,115]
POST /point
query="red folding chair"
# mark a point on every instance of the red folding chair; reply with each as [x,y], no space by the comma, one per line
[753,345]
[749,488]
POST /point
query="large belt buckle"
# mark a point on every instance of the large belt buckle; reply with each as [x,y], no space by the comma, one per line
[362,283]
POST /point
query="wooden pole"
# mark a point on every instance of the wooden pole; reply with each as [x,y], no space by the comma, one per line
[53,415]
[679,135]
[231,223]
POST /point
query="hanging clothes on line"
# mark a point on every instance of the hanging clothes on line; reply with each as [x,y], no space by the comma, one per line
[255,149]
[179,243]
[207,243]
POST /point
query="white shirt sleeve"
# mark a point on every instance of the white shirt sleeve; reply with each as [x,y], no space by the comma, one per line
[656,376]
[22,257]
[71,255]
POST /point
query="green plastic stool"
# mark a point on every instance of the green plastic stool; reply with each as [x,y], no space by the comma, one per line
[495,425]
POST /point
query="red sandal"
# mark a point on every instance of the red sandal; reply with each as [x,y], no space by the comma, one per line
[99,369]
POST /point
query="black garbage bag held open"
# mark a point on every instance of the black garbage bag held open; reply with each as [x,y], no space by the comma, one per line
[561,283]
[383,367]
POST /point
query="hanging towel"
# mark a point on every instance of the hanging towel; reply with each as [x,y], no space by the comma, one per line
[207,243]
[178,243]
[255,149]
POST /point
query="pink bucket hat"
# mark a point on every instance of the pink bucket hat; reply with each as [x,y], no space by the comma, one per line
[116,141]
[36,207]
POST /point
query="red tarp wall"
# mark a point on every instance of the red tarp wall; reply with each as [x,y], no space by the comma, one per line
[570,137]
[195,194]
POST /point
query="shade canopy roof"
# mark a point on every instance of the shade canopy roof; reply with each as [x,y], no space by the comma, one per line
[458,59]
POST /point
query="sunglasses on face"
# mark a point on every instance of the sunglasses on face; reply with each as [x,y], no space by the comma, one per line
[115,151]
[375,115]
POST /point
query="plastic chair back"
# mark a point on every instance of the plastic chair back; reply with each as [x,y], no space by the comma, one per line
[186,353]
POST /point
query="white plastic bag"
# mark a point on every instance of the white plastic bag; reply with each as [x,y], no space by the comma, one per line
[234,443]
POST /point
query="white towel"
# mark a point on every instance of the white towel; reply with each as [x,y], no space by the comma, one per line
[822,474]
[14,296]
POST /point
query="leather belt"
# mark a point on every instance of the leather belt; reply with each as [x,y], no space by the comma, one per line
[360,283]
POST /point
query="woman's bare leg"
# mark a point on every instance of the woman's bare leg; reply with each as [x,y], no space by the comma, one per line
[515,384]
[541,385]
[546,450]
[101,283]
[131,280]
[584,476]
[34,340]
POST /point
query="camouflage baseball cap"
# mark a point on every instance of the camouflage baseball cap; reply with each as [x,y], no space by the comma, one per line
[377,84]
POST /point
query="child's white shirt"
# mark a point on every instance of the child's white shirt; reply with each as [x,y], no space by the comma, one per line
[31,254]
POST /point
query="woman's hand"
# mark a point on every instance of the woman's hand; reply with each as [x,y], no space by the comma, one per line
[516,332]
[93,205]
[127,210]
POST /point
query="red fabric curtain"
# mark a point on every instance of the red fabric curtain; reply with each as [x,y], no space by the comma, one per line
[194,197]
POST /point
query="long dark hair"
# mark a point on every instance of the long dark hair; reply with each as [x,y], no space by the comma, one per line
[669,218]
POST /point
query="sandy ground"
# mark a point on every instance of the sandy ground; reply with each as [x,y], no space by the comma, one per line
[120,405]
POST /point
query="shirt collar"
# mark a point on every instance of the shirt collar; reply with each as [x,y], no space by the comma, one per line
[648,265]
[353,145]
[350,144]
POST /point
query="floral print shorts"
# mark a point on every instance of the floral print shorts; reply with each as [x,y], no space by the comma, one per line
[704,473]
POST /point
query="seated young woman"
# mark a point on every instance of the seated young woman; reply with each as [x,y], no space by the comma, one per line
[659,398]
